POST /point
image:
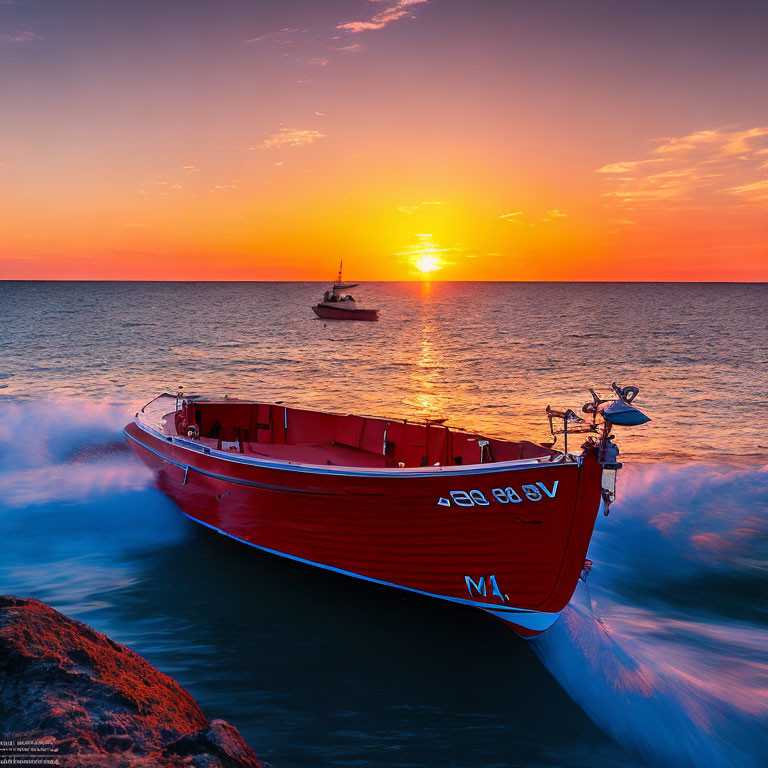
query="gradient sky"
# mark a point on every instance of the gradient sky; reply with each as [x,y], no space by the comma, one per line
[481,139]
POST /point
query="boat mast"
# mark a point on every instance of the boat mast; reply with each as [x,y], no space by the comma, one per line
[338,279]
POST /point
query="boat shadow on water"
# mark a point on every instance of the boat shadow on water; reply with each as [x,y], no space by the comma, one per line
[314,666]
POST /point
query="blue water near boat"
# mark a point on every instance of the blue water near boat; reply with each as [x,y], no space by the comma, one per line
[660,659]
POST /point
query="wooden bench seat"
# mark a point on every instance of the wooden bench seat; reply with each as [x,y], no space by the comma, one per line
[317,453]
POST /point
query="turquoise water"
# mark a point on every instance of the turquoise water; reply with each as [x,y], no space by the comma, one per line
[661,658]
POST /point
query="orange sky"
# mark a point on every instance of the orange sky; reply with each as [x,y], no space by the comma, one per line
[476,140]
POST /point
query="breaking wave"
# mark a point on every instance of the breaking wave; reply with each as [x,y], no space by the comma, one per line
[665,645]
[74,502]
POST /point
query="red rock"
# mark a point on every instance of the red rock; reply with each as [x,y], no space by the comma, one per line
[98,701]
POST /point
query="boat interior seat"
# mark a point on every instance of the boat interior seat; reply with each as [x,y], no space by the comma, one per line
[349,431]
[524,449]
[372,439]
[463,449]
[318,453]
[439,439]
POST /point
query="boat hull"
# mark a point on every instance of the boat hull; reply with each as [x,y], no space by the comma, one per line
[343,313]
[509,539]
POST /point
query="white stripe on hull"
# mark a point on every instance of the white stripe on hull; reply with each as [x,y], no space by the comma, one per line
[536,622]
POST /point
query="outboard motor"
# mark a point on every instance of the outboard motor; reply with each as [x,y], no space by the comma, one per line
[619,413]
[606,414]
[611,455]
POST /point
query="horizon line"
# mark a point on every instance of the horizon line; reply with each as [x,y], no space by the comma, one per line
[520,282]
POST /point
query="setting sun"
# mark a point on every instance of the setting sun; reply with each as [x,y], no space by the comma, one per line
[425,255]
[427,263]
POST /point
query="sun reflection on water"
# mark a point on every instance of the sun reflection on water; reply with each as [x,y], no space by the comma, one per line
[429,398]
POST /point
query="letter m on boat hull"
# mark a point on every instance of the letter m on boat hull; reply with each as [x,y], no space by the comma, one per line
[479,587]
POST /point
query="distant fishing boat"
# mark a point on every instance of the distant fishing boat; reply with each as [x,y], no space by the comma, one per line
[338,305]
[497,524]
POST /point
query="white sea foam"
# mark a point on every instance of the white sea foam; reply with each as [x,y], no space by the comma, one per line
[665,647]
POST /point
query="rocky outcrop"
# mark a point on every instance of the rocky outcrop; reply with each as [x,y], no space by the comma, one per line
[70,693]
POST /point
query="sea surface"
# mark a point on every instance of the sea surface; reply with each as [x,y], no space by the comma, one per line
[662,657]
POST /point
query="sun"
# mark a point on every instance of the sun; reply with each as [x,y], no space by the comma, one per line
[425,255]
[426,263]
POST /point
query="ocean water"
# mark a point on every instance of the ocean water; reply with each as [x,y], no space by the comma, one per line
[661,657]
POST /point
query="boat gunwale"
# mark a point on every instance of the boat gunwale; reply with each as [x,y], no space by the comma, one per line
[426,422]
[349,471]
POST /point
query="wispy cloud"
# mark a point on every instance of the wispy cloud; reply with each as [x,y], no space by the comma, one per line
[392,10]
[292,137]
[411,209]
[314,47]
[348,48]
[187,181]
[626,166]
[23,37]
[555,214]
[714,143]
[755,192]
[297,44]
[225,187]
[698,169]
[285,36]
[513,217]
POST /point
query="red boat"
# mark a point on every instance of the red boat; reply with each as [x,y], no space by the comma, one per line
[497,524]
[338,305]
